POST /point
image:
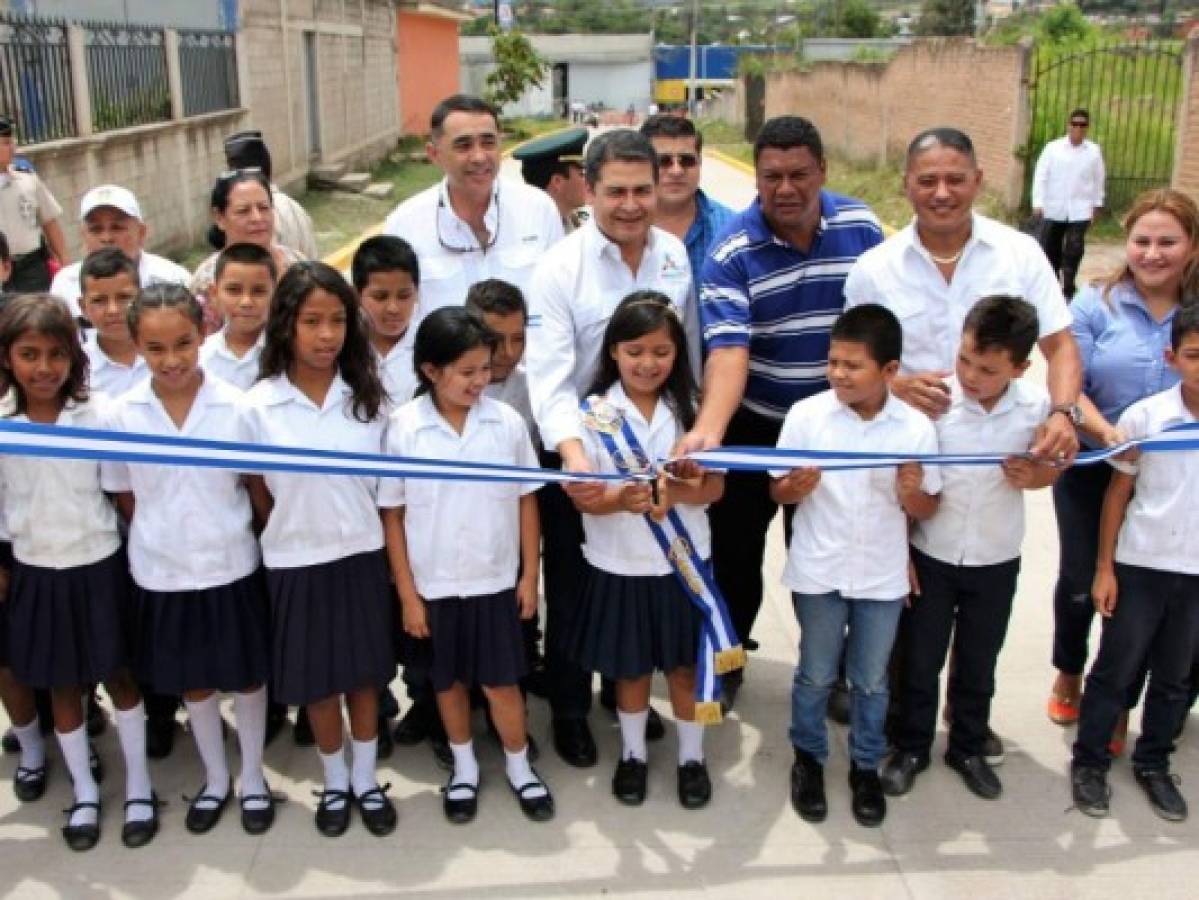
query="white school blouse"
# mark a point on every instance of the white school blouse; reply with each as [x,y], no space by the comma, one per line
[217,358]
[850,534]
[621,543]
[316,519]
[191,526]
[55,509]
[980,520]
[463,536]
[108,376]
[1162,518]
[396,368]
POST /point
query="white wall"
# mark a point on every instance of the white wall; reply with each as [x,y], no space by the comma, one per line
[616,86]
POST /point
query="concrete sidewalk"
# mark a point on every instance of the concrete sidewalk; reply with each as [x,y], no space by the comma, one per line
[939,841]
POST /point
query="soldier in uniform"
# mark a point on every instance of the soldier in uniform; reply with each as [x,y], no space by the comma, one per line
[29,218]
[554,163]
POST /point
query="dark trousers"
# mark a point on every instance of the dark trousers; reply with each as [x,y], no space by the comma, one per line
[563,564]
[971,605]
[740,520]
[30,273]
[1064,244]
[1077,500]
[1155,623]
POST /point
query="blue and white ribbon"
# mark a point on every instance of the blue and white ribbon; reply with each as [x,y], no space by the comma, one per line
[719,648]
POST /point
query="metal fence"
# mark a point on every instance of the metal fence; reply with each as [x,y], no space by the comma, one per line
[208,69]
[126,74]
[35,77]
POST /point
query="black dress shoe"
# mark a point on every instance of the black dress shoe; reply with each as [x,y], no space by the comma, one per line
[730,686]
[993,751]
[695,787]
[383,742]
[869,804]
[899,774]
[94,763]
[536,809]
[574,743]
[160,737]
[81,837]
[139,832]
[654,729]
[630,782]
[377,811]
[977,774]
[1090,791]
[302,733]
[413,726]
[807,787]
[1162,790]
[29,784]
[276,718]
[258,819]
[463,809]
[96,722]
[389,706]
[201,819]
[332,821]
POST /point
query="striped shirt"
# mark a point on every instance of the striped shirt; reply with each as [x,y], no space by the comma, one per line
[760,292]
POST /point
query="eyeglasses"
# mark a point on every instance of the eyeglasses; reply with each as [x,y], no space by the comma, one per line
[452,248]
[230,174]
[1080,124]
[685,160]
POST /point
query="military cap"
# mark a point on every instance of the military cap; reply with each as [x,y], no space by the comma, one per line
[541,158]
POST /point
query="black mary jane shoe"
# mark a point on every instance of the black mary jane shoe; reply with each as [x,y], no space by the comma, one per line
[377,811]
[95,763]
[536,809]
[202,819]
[141,831]
[462,810]
[258,819]
[630,781]
[29,784]
[332,821]
[694,784]
[82,837]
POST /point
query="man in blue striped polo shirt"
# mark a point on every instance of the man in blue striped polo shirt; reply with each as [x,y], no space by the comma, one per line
[770,291]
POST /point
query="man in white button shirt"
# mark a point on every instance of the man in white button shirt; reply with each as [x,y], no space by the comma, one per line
[571,295]
[472,224]
[1067,192]
[110,216]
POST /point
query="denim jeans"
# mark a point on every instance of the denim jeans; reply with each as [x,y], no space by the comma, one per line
[827,623]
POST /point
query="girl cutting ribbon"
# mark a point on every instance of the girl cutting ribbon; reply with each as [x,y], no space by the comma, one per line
[647,544]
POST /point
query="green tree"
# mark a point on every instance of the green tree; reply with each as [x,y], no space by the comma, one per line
[858,19]
[1064,24]
[946,17]
[517,67]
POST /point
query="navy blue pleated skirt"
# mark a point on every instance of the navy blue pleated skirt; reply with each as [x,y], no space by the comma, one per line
[476,640]
[6,563]
[69,627]
[632,625]
[331,628]
[211,639]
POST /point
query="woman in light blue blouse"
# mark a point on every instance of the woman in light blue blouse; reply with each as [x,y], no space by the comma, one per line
[1122,326]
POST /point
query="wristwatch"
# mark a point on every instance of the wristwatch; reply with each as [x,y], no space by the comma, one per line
[1071,411]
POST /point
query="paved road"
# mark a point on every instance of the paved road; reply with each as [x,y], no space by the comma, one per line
[938,842]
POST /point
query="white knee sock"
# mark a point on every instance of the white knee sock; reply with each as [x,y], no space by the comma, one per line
[521,773]
[33,746]
[363,755]
[691,742]
[250,710]
[466,769]
[205,719]
[337,774]
[131,729]
[75,753]
[632,733]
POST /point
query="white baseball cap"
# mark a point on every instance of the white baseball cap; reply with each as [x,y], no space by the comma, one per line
[110,195]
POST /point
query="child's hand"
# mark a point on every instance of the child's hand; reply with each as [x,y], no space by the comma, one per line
[1020,472]
[1104,592]
[526,597]
[415,617]
[797,484]
[909,478]
[636,497]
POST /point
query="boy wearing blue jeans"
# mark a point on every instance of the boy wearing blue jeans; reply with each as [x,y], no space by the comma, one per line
[847,566]
[1146,589]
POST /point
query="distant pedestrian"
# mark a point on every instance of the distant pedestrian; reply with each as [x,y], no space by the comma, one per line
[1067,192]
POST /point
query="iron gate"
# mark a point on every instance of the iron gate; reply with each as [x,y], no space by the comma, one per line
[1132,91]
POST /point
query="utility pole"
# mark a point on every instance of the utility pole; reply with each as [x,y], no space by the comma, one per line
[692,81]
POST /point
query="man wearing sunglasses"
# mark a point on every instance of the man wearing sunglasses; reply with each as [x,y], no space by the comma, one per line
[472,225]
[1067,192]
[683,208]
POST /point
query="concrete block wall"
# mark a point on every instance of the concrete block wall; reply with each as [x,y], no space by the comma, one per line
[870,111]
[1186,139]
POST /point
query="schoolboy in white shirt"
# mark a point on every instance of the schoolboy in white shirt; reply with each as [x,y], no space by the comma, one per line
[966,558]
[109,280]
[1147,591]
[243,281]
[848,560]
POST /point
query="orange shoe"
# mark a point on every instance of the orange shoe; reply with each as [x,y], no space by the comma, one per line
[1119,737]
[1062,710]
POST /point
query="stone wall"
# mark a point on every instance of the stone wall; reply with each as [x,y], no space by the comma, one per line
[870,111]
